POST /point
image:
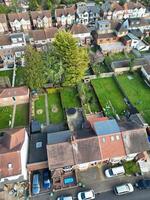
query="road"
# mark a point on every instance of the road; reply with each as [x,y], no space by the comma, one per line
[136,195]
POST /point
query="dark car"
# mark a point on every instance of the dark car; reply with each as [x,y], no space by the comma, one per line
[46,179]
[143,184]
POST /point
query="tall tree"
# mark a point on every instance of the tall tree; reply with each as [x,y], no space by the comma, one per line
[35,72]
[74,59]
[54,66]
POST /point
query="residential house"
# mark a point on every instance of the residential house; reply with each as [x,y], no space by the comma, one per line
[113,10]
[136,23]
[134,10]
[81,33]
[106,38]
[10,45]
[13,155]
[3,23]
[109,135]
[109,42]
[19,21]
[146,72]
[137,43]
[87,13]
[40,38]
[135,142]
[82,15]
[15,95]
[108,142]
[37,156]
[103,26]
[93,11]
[41,19]
[65,16]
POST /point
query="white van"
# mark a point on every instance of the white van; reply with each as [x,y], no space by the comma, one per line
[116,171]
[124,189]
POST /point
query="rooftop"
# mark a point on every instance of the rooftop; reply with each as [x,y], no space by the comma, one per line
[60,155]
[79,28]
[58,137]
[16,91]
[135,141]
[37,148]
[40,14]
[65,11]
[10,146]
[86,150]
[111,146]
[106,127]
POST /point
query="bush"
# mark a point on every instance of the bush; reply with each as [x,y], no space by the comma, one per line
[131,167]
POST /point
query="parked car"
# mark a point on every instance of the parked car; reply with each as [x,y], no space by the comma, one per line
[143,184]
[65,198]
[116,171]
[46,179]
[90,194]
[36,184]
[124,189]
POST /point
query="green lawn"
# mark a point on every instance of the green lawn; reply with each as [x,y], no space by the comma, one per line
[40,114]
[56,114]
[69,98]
[22,115]
[109,96]
[5,116]
[19,77]
[138,93]
[89,100]
[8,73]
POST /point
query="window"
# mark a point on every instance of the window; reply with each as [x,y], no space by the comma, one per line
[112,138]
[103,140]
[38,145]
[117,137]
[9,166]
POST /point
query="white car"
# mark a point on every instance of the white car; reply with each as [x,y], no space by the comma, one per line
[124,189]
[115,171]
[65,198]
[90,194]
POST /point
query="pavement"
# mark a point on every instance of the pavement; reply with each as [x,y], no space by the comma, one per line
[95,179]
[136,195]
[46,109]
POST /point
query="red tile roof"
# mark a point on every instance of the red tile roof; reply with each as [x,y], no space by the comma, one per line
[94,118]
[111,149]
[41,14]
[65,11]
[16,91]
[18,16]
[10,146]
[79,28]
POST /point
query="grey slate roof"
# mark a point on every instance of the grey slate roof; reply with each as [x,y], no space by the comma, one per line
[58,137]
